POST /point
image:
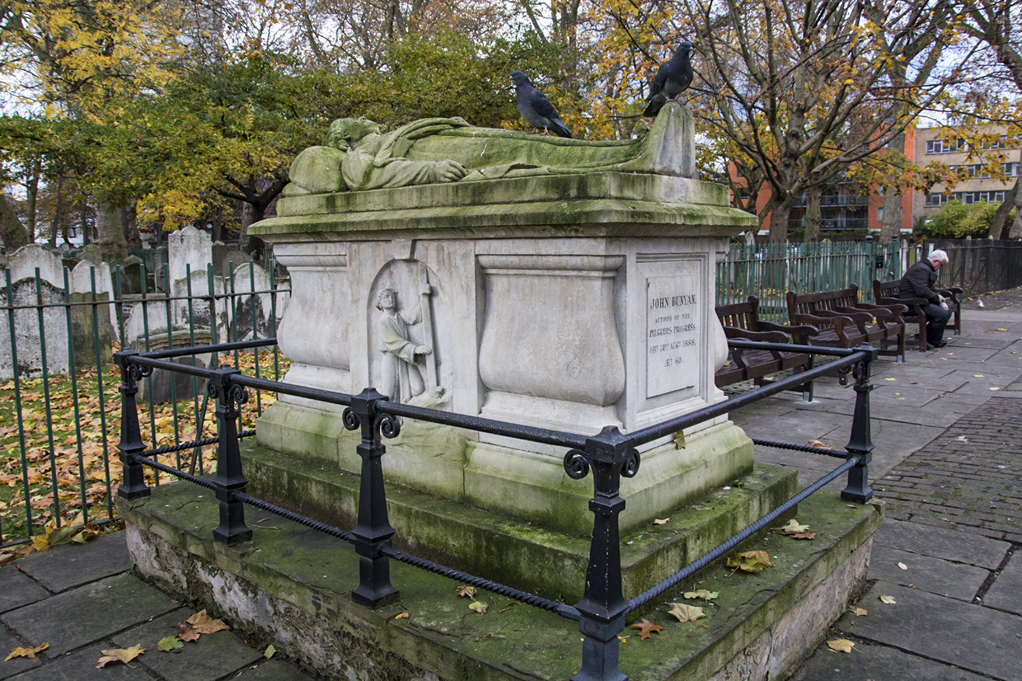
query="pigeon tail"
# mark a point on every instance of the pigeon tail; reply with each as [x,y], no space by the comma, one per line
[656,102]
[560,129]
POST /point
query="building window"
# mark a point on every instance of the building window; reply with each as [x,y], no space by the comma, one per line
[944,146]
[1011,169]
[934,200]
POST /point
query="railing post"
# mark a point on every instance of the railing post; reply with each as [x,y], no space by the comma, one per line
[603,608]
[373,531]
[133,485]
[229,479]
[861,442]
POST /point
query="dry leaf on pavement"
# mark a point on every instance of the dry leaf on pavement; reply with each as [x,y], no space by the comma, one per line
[701,593]
[841,645]
[204,624]
[124,655]
[750,561]
[27,652]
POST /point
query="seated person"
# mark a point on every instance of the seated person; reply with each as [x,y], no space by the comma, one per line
[920,281]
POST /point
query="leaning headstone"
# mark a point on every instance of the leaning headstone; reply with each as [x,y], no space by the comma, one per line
[224,256]
[40,332]
[196,312]
[252,308]
[131,275]
[188,248]
[88,278]
[166,386]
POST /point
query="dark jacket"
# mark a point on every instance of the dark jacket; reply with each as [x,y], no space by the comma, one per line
[920,281]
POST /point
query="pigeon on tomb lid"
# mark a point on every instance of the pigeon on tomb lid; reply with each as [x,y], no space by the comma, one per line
[536,108]
[671,79]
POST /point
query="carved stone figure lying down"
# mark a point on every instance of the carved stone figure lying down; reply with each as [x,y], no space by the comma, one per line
[356,156]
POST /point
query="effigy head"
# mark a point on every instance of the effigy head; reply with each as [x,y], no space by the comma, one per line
[344,132]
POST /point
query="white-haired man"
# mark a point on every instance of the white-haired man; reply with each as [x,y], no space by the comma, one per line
[920,281]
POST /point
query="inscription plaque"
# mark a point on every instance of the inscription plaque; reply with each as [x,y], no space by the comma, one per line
[672,326]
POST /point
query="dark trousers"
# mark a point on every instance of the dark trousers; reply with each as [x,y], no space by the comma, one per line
[936,319]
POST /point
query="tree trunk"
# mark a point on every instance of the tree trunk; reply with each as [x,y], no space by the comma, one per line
[112,243]
[1016,227]
[813,214]
[999,226]
[83,220]
[11,230]
[890,226]
[129,223]
[780,212]
[32,194]
[57,214]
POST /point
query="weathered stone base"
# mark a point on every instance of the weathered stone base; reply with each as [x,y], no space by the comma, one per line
[453,464]
[513,551]
[290,586]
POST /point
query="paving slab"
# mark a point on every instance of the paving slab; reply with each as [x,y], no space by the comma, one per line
[1006,591]
[17,589]
[71,565]
[876,663]
[274,670]
[81,666]
[18,664]
[937,576]
[973,637]
[211,657]
[89,613]
[937,542]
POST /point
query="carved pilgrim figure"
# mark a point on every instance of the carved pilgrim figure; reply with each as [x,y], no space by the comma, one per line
[402,376]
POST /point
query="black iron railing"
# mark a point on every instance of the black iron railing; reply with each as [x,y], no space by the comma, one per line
[608,455]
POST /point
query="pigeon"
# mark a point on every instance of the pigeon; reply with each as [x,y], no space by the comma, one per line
[536,108]
[671,79]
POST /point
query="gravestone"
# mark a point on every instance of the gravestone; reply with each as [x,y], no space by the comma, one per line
[40,333]
[252,310]
[188,248]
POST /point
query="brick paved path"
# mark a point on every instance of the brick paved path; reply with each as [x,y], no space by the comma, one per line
[969,478]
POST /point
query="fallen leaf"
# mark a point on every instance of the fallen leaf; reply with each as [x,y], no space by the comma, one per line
[750,561]
[913,382]
[467,591]
[890,379]
[188,635]
[888,599]
[686,613]
[701,593]
[661,521]
[818,444]
[995,388]
[204,624]
[804,535]
[401,616]
[169,643]
[793,527]
[270,651]
[623,639]
[903,566]
[646,629]
[478,606]
[27,652]
[860,612]
[124,655]
[977,376]
[841,645]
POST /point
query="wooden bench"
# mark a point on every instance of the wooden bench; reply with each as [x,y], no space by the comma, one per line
[741,320]
[887,292]
[844,322]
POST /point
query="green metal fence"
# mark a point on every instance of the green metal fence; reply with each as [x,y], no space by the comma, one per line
[59,399]
[58,462]
[769,271]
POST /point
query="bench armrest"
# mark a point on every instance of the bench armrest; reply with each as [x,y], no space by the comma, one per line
[833,320]
[802,330]
[761,336]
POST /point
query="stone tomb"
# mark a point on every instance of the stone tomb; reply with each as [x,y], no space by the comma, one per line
[570,297]
[548,282]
